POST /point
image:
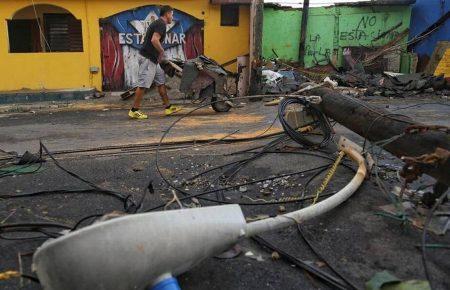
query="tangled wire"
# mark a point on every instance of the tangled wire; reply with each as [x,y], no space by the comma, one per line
[319,120]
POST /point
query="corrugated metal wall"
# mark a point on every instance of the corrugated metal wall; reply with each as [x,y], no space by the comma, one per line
[424,14]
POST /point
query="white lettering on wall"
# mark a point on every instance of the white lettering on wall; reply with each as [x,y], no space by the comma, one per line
[138,38]
[174,38]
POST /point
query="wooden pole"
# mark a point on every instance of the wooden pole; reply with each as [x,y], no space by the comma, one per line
[303,30]
[256,34]
[377,124]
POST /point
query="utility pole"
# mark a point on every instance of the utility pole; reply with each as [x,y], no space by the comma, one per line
[428,147]
[256,35]
[303,29]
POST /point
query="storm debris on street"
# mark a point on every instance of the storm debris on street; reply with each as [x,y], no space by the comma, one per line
[319,165]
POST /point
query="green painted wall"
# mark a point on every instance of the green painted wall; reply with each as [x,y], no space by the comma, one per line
[281,33]
[330,29]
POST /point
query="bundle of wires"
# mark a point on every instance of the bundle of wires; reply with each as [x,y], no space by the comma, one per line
[320,120]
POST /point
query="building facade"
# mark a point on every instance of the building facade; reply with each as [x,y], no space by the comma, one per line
[331,29]
[69,44]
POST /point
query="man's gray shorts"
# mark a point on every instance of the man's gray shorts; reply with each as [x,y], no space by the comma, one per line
[148,73]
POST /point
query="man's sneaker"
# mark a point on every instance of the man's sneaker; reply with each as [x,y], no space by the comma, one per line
[137,115]
[172,110]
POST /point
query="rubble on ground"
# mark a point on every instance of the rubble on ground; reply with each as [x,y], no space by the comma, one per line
[393,84]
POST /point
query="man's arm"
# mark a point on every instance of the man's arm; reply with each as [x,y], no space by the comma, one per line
[157,44]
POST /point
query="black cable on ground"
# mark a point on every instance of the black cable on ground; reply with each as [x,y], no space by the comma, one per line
[335,282]
[315,175]
[267,152]
[175,145]
[424,236]
[166,132]
[31,278]
[363,104]
[31,228]
[235,168]
[321,257]
[50,192]
[197,195]
[310,154]
[82,220]
[295,134]
[420,104]
[126,199]
[17,226]
[229,163]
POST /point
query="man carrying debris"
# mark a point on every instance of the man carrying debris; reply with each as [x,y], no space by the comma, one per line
[150,56]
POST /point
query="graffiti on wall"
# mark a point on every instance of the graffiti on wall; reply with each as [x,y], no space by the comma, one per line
[123,35]
[367,29]
[319,54]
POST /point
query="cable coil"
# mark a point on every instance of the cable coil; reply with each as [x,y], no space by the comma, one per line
[320,120]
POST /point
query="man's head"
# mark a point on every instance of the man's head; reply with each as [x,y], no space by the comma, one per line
[166,13]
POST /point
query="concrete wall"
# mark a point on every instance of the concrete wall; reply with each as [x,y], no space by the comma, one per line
[65,70]
[330,29]
[280,33]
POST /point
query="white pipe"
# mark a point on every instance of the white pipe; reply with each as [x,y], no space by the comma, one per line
[315,210]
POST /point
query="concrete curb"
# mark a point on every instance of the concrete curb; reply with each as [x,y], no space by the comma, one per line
[80,105]
[18,97]
[111,101]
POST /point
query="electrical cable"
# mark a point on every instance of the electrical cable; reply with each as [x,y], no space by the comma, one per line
[366,135]
[168,146]
[128,202]
[324,276]
[363,104]
[421,104]
[30,227]
[235,168]
[320,168]
[50,192]
[41,31]
[424,237]
[322,258]
[31,278]
[308,153]
[78,223]
[197,195]
[294,133]
[166,132]
[96,188]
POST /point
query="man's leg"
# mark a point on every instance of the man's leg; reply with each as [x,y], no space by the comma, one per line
[146,74]
[138,96]
[160,81]
[164,97]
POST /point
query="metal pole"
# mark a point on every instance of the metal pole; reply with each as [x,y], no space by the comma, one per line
[303,30]
[256,34]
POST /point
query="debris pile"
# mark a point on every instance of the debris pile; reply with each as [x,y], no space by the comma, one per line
[279,78]
[392,84]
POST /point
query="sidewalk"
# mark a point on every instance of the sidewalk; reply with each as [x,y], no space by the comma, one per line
[77,100]
[109,102]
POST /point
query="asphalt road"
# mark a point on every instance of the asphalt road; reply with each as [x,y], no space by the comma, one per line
[352,238]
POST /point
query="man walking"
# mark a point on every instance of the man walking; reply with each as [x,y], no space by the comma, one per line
[150,56]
